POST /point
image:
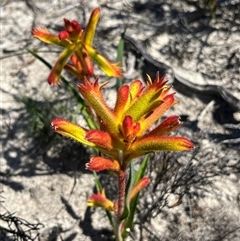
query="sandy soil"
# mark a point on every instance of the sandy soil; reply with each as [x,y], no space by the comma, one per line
[43,177]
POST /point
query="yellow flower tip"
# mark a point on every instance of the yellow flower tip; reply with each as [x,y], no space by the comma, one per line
[159,84]
[100,200]
[61,124]
[123,99]
[88,33]
[163,79]
[136,88]
[99,163]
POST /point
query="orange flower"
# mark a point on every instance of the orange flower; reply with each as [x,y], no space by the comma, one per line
[124,130]
[77,44]
[99,163]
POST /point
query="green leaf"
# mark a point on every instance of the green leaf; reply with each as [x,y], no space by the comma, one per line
[142,169]
[97,182]
[133,205]
[130,183]
[120,52]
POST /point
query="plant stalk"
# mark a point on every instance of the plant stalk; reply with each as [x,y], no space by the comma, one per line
[121,193]
[121,202]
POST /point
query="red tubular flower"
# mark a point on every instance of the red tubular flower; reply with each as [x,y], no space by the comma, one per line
[77,42]
[100,138]
[130,129]
[98,163]
[170,124]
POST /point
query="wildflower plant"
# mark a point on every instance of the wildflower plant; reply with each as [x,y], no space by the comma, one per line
[120,134]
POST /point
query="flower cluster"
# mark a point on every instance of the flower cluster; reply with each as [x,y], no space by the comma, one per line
[77,44]
[123,132]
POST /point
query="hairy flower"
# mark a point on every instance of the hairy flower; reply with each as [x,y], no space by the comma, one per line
[99,163]
[77,44]
[126,130]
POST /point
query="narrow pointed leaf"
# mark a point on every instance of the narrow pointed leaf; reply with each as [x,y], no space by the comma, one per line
[133,204]
[97,182]
[120,52]
[128,191]
[142,169]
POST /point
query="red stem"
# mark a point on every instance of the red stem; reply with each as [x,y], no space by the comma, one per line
[121,192]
